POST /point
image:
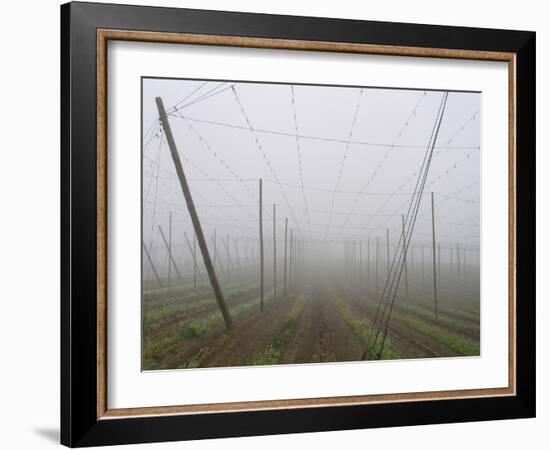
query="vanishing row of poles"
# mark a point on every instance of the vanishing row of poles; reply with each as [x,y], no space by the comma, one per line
[233,256]
[293,247]
[293,250]
[351,256]
[357,259]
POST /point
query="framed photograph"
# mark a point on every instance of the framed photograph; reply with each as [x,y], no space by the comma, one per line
[276,224]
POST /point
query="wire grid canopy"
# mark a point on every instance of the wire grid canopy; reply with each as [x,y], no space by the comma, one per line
[339,162]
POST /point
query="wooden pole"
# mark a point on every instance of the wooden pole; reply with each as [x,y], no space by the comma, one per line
[152,265]
[360,264]
[452,260]
[284,266]
[228,261]
[423,267]
[170,256]
[388,250]
[290,258]
[457,259]
[261,252]
[246,258]
[219,258]
[439,264]
[194,216]
[239,265]
[189,245]
[274,255]
[368,262]
[376,264]
[433,250]
[215,248]
[195,260]
[169,249]
[464,261]
[405,258]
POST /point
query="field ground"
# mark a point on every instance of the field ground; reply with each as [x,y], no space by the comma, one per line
[320,318]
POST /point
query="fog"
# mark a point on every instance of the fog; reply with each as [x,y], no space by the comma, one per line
[339,162]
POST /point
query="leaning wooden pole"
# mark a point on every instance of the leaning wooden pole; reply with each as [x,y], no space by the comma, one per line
[152,265]
[433,250]
[284,265]
[388,250]
[170,250]
[168,247]
[360,264]
[274,255]
[194,216]
[405,259]
[368,262]
[376,264]
[195,268]
[261,251]
[215,249]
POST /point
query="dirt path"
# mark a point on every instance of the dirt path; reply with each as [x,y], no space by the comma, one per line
[239,347]
[321,334]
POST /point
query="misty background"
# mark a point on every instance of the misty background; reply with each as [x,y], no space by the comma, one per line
[340,163]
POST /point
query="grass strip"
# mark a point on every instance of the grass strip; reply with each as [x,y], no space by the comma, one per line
[272,354]
[460,346]
[363,330]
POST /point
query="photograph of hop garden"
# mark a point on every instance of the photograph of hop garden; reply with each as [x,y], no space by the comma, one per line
[292,224]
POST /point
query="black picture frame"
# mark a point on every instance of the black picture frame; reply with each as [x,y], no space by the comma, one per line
[80,425]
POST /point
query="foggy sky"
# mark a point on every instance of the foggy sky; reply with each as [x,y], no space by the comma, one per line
[373,175]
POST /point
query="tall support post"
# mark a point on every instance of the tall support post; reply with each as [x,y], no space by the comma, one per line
[348,244]
[261,251]
[190,251]
[215,248]
[169,249]
[452,260]
[170,256]
[221,266]
[376,264]
[274,253]
[290,258]
[439,264]
[228,261]
[360,264]
[423,266]
[194,216]
[284,265]
[433,250]
[353,260]
[346,258]
[195,268]
[457,259]
[388,251]
[464,261]
[239,265]
[405,259]
[368,262]
[151,263]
